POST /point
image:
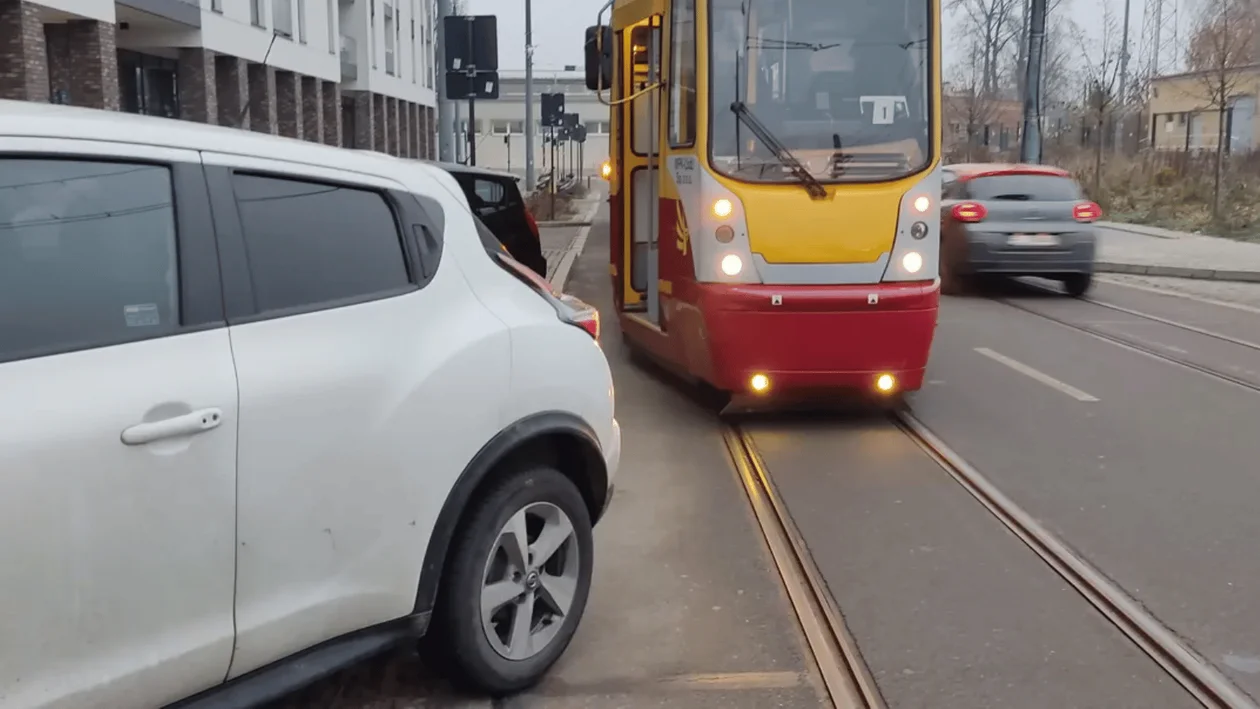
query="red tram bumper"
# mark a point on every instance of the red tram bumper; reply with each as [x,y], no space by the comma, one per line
[817,337]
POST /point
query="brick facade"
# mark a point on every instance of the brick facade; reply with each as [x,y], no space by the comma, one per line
[380,141]
[198,85]
[23,52]
[312,110]
[288,105]
[430,132]
[364,121]
[232,91]
[331,98]
[93,64]
[81,64]
[262,98]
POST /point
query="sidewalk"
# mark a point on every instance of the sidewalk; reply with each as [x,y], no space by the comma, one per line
[1149,251]
[563,241]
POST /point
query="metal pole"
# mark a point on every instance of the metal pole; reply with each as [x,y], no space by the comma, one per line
[472,131]
[1124,77]
[445,108]
[1030,147]
[529,97]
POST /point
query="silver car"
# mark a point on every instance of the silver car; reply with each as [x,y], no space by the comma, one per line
[1015,220]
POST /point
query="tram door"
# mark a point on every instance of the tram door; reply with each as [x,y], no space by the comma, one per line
[639,146]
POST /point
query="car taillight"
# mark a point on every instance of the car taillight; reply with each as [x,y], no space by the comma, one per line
[969,212]
[1087,212]
[570,309]
[533,223]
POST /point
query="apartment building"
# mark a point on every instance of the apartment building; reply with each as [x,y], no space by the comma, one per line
[353,73]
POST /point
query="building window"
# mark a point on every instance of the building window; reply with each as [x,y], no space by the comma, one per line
[597,127]
[389,40]
[256,12]
[372,31]
[682,74]
[216,6]
[147,84]
[282,17]
[501,127]
[333,17]
[301,21]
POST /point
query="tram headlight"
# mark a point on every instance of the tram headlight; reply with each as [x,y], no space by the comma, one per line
[759,383]
[732,264]
[912,262]
[605,170]
[922,203]
[723,208]
[885,383]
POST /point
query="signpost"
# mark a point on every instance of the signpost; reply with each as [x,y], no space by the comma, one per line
[471,65]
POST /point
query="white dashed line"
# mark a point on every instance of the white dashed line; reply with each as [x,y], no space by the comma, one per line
[1036,374]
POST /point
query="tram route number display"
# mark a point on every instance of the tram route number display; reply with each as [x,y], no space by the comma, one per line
[884,110]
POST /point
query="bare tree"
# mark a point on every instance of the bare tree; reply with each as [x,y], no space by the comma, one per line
[1100,70]
[1224,40]
[994,25]
[968,104]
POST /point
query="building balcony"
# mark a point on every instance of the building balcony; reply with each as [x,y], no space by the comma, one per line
[349,59]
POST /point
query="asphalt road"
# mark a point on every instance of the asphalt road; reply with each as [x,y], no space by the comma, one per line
[1147,468]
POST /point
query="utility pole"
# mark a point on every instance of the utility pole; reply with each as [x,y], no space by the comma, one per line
[446,109]
[529,97]
[1124,78]
[1030,147]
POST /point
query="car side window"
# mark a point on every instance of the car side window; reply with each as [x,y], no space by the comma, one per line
[314,244]
[490,192]
[87,255]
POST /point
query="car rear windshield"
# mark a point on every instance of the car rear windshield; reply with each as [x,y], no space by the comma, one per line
[1039,188]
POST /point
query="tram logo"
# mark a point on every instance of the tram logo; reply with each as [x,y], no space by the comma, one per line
[681,232]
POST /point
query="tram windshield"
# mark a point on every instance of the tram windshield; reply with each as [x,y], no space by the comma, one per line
[842,85]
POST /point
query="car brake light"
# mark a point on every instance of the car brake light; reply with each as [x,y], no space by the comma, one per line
[1087,212]
[569,309]
[533,223]
[969,212]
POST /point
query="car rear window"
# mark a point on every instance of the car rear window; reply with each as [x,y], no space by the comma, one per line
[1039,188]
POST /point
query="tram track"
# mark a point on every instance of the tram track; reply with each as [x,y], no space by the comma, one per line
[1141,347]
[846,678]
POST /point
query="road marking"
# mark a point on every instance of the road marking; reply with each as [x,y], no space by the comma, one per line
[1036,374]
[575,249]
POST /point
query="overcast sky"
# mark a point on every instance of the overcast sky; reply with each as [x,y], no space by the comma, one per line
[559,26]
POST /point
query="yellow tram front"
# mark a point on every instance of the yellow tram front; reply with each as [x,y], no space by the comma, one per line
[774,187]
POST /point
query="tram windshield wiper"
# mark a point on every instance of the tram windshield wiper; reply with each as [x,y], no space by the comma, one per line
[781,153]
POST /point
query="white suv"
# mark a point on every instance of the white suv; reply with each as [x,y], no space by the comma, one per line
[267,407]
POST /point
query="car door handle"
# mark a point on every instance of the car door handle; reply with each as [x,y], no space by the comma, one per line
[185,425]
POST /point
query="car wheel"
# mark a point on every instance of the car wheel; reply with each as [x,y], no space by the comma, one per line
[1078,284]
[517,583]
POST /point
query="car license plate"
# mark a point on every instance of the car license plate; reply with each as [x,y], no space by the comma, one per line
[1033,240]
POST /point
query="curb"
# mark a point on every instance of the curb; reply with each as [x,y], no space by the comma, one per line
[561,277]
[584,220]
[1202,274]
[1141,230]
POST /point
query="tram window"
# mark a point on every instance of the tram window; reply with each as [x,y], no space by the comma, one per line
[682,74]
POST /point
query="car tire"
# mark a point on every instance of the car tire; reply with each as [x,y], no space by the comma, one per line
[486,654]
[1078,284]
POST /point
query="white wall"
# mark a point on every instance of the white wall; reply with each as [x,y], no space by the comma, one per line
[309,52]
[230,31]
[412,79]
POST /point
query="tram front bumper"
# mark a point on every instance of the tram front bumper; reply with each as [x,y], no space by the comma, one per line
[819,337]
